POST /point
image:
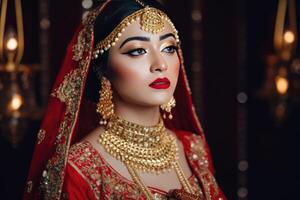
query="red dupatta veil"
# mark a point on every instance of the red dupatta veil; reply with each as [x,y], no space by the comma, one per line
[69,116]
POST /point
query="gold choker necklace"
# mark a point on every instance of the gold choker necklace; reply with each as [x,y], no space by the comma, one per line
[145,148]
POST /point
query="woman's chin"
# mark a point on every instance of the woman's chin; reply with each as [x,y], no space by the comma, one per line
[150,100]
[158,102]
[161,98]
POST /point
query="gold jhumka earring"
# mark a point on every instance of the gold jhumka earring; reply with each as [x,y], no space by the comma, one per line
[105,106]
[167,107]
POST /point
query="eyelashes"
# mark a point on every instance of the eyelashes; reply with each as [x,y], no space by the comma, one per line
[141,51]
[136,52]
[170,49]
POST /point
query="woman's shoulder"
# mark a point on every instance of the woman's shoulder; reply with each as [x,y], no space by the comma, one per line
[194,145]
[187,137]
[102,179]
[87,163]
[82,172]
[80,151]
[84,149]
[84,158]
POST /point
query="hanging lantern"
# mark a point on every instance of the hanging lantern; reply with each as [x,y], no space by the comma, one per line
[285,44]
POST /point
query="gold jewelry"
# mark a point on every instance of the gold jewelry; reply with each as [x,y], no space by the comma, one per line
[146,148]
[146,136]
[151,20]
[168,107]
[135,177]
[183,180]
[105,106]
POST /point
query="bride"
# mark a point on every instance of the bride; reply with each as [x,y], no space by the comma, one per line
[120,123]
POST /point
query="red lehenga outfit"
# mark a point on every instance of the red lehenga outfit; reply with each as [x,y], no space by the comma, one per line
[65,168]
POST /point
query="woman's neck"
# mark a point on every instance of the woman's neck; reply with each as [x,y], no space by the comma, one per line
[142,115]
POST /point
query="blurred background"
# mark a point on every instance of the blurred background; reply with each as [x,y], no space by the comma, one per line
[243,64]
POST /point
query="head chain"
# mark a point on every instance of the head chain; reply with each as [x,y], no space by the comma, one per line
[151,20]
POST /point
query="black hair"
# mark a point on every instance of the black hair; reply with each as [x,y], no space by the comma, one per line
[114,12]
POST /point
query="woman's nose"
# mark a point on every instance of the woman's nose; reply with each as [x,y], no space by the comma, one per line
[158,63]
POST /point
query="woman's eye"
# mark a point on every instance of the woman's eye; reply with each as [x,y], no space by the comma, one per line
[170,49]
[136,52]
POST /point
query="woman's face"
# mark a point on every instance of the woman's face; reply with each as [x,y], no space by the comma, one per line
[144,66]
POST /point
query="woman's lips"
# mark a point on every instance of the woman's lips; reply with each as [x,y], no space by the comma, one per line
[160,83]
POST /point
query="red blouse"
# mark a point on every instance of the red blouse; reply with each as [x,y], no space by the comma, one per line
[89,177]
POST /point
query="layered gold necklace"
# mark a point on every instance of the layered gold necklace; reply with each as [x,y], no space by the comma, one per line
[145,148]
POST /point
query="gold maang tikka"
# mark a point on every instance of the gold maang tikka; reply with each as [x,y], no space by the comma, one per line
[105,106]
[151,20]
[167,107]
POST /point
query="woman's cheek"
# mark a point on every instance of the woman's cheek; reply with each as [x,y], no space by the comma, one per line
[174,67]
[128,72]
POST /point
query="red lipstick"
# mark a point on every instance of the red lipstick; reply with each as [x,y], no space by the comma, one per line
[160,83]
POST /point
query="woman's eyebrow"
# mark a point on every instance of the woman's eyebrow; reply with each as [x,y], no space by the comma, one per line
[162,37]
[140,38]
[147,39]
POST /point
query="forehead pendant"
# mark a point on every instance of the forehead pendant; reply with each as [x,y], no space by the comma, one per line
[151,21]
